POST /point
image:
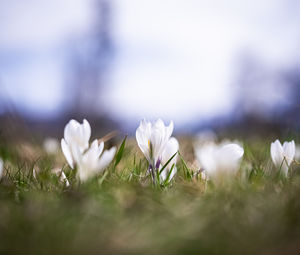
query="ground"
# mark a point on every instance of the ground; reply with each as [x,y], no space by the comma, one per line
[121,212]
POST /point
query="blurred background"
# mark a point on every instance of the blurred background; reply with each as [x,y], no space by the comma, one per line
[223,65]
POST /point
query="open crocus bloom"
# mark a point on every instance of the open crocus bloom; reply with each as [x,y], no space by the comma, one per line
[223,158]
[283,155]
[77,136]
[154,140]
[90,163]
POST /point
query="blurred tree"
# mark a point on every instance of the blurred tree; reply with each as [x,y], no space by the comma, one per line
[292,113]
[90,63]
[266,98]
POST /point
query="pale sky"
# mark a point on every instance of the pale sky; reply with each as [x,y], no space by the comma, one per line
[175,59]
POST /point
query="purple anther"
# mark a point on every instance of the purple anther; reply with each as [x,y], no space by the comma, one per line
[157,163]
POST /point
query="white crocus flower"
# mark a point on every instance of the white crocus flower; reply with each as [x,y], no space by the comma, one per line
[77,136]
[171,148]
[92,162]
[154,140]
[1,168]
[283,155]
[77,150]
[222,158]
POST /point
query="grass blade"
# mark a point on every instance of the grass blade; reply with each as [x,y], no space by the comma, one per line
[169,174]
[120,152]
[165,165]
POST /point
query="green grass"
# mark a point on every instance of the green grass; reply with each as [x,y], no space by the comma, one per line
[121,212]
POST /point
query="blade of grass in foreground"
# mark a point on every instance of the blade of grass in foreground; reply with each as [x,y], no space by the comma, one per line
[187,171]
[169,175]
[165,165]
[120,152]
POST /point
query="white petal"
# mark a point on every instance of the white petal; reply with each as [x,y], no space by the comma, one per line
[86,130]
[229,157]
[67,153]
[106,158]
[159,124]
[156,143]
[235,151]
[97,148]
[70,130]
[169,130]
[141,137]
[206,156]
[277,153]
[94,144]
[85,164]
[142,141]
[100,148]
[77,155]
[144,125]
[83,173]
[289,149]
[159,127]
[170,149]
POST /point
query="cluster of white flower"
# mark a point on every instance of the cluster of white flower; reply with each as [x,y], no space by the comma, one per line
[88,158]
[156,143]
[158,146]
[160,149]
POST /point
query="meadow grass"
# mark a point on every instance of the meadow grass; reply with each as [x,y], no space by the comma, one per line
[121,212]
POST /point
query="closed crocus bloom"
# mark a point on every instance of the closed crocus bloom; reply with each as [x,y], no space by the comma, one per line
[171,148]
[223,158]
[93,161]
[77,136]
[283,155]
[152,139]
